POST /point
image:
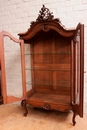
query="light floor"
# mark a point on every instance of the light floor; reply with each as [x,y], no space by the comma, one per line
[11,118]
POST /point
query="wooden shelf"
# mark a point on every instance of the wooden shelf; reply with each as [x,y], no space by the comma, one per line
[49,98]
[48,53]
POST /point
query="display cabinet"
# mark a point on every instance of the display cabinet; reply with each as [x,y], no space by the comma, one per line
[57,65]
[52,60]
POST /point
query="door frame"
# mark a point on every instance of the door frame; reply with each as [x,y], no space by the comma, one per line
[9,99]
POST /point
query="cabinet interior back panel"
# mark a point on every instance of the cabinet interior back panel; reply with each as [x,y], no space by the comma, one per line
[51,63]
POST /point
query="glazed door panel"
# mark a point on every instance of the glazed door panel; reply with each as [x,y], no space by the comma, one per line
[78,78]
[12,68]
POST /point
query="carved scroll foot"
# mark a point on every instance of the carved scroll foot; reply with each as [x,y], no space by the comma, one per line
[73,119]
[23,104]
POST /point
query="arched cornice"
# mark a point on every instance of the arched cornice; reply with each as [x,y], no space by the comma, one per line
[46,22]
[46,26]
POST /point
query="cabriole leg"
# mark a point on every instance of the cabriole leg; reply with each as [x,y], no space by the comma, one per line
[73,119]
[23,104]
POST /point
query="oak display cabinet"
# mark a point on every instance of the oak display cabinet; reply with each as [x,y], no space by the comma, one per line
[55,70]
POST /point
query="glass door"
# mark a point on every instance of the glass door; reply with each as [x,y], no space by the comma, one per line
[12,68]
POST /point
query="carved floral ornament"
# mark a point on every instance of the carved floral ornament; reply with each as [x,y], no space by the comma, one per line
[45,15]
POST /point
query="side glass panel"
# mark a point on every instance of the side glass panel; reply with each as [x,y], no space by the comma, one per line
[77,68]
[28,67]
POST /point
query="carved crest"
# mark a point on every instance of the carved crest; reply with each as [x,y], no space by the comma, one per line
[45,15]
